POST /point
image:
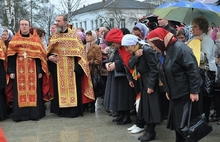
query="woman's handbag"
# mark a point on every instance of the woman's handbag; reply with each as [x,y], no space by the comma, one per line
[119,74]
[208,78]
[196,129]
[97,81]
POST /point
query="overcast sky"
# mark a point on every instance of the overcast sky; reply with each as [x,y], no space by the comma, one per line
[86,2]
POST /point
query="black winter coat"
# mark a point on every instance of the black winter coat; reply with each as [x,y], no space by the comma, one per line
[180,72]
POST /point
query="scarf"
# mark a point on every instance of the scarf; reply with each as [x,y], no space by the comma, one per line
[94,39]
[161,38]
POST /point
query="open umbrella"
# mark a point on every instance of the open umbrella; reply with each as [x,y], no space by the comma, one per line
[184,11]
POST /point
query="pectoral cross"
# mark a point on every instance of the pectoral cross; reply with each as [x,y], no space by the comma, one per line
[64,50]
[25,54]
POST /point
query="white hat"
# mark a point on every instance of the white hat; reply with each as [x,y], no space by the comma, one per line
[129,40]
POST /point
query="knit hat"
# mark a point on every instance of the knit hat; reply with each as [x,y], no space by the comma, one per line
[114,35]
[129,40]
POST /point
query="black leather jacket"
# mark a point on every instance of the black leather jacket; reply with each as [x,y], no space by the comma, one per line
[179,72]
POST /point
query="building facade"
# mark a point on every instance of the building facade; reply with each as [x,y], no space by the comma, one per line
[111,13]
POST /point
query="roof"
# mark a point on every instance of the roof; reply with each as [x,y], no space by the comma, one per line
[116,4]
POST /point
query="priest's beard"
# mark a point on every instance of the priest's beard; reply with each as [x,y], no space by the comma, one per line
[60,28]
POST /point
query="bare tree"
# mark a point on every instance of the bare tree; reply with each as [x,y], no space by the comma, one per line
[10,12]
[116,16]
[46,17]
[70,7]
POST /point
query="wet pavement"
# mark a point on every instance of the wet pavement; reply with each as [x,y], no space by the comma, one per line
[92,127]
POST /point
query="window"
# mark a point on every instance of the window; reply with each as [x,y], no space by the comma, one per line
[92,24]
[100,23]
[96,23]
[85,25]
[76,25]
[111,22]
[122,23]
[80,25]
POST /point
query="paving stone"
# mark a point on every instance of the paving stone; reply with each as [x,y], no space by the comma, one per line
[92,127]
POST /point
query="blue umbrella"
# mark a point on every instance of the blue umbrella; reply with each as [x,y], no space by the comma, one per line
[184,11]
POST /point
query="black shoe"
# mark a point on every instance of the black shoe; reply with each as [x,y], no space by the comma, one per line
[214,114]
[213,119]
[110,113]
[115,114]
[119,118]
[133,112]
[147,137]
[144,133]
[92,107]
[85,107]
[126,120]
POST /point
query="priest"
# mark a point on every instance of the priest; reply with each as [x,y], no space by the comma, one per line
[68,65]
[26,67]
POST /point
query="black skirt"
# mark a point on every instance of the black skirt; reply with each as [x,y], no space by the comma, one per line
[179,110]
[3,108]
[150,106]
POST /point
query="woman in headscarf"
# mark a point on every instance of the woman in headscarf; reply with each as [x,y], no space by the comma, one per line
[82,37]
[140,30]
[144,61]
[119,96]
[7,36]
[180,75]
[94,57]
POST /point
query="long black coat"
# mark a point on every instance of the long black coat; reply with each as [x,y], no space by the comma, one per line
[180,76]
[26,113]
[150,104]
[119,96]
[3,108]
[181,71]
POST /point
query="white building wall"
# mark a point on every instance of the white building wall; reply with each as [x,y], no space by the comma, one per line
[88,17]
[130,16]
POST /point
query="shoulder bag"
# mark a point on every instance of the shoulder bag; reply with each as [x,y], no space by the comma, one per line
[196,128]
[97,79]
[208,78]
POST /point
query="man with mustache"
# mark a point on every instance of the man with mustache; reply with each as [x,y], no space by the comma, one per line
[68,65]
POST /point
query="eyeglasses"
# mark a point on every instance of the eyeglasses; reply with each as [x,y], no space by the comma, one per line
[24,24]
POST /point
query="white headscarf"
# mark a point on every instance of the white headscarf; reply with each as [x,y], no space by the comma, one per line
[129,40]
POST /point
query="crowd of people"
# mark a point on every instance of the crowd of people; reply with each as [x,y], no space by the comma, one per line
[149,71]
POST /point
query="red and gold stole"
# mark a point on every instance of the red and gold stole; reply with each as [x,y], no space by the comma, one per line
[27,50]
[67,46]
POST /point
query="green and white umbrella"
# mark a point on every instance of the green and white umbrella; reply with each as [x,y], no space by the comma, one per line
[185,11]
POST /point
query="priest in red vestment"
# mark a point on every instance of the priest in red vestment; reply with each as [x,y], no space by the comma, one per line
[26,67]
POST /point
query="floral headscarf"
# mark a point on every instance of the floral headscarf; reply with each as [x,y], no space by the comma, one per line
[161,38]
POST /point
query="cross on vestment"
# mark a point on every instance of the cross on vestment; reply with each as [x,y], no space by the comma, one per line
[25,54]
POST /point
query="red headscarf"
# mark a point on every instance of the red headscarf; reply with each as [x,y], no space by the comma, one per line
[114,35]
[161,38]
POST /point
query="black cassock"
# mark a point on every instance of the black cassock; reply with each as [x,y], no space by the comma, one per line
[3,108]
[26,113]
[119,96]
[69,112]
[150,104]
